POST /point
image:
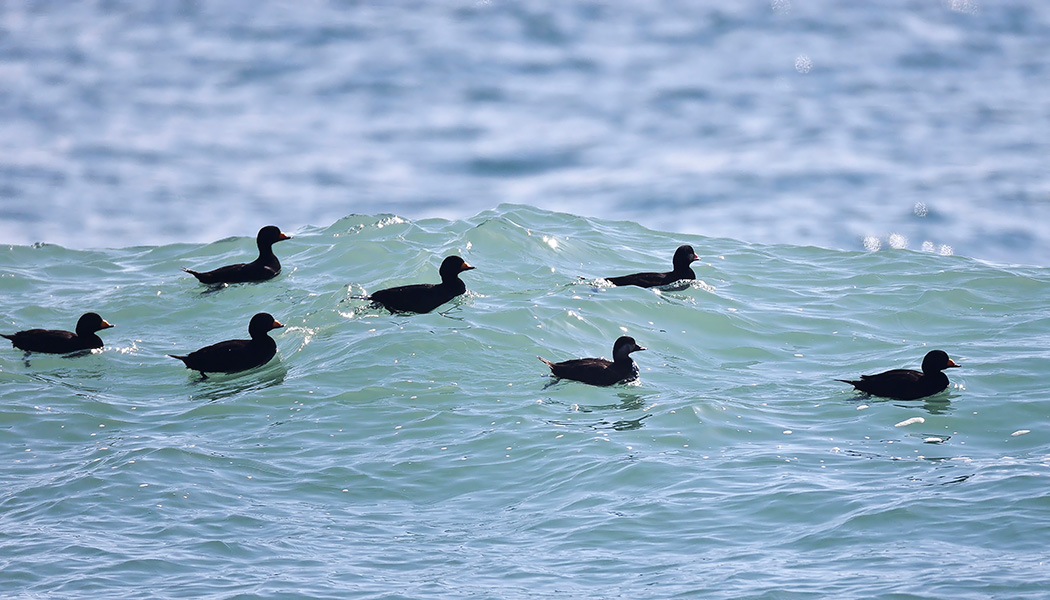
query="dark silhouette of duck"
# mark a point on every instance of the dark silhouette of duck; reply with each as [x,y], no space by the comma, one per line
[682,257]
[598,371]
[57,341]
[425,297]
[265,267]
[906,384]
[232,356]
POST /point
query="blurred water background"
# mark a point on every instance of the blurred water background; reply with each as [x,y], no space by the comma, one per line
[864,182]
[918,123]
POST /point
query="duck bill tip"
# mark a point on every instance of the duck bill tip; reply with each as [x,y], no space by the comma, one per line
[277,324]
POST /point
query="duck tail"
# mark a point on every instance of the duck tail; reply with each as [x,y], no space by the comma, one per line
[195,274]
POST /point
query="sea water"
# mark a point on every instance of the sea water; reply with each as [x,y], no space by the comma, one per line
[432,456]
[898,123]
[864,182]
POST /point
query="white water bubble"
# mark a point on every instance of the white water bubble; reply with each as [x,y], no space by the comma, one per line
[898,241]
[386,221]
[910,421]
[928,246]
[781,7]
[920,209]
[803,64]
[966,7]
[872,243]
[945,250]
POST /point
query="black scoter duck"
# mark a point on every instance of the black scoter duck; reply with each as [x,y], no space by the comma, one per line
[906,384]
[57,341]
[265,267]
[682,257]
[232,356]
[598,371]
[425,297]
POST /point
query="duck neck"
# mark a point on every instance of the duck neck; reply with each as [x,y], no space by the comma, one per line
[935,376]
[266,251]
[684,271]
[260,336]
[453,281]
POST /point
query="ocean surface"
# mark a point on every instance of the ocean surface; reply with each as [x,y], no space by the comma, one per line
[430,456]
[864,182]
[846,125]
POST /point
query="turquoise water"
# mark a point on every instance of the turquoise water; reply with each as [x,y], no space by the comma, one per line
[428,457]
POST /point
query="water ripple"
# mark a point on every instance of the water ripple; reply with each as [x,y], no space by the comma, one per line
[430,453]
